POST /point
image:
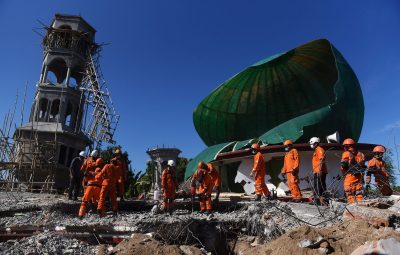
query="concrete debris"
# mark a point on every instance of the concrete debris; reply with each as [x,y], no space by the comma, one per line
[376,217]
[313,244]
[46,243]
[190,250]
[395,207]
[340,238]
[389,246]
[155,210]
[271,227]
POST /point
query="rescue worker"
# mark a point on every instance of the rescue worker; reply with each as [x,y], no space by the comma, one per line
[259,172]
[92,192]
[202,184]
[88,167]
[352,166]
[377,167]
[75,176]
[168,184]
[109,176]
[121,171]
[216,178]
[319,169]
[290,170]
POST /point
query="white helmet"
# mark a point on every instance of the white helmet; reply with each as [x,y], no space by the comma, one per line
[95,153]
[82,154]
[171,163]
[313,141]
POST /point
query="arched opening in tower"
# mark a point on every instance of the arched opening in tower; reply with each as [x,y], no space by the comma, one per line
[57,69]
[55,111]
[43,106]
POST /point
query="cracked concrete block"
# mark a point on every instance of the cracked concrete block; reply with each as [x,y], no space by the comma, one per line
[374,216]
[190,250]
[323,250]
[389,246]
[305,243]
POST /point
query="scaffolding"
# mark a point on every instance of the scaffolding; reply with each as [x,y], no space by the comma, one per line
[101,118]
[22,158]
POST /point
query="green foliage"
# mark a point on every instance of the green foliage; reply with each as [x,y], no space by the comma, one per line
[131,183]
[181,164]
[388,158]
[396,188]
[144,182]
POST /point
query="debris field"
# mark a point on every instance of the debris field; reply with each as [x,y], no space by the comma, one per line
[32,223]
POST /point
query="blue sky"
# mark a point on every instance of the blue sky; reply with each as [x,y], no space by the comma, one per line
[164,57]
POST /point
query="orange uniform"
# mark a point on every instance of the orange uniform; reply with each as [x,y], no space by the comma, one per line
[121,169]
[259,171]
[378,169]
[216,177]
[92,192]
[319,170]
[318,161]
[168,184]
[88,169]
[291,170]
[353,181]
[109,176]
[204,189]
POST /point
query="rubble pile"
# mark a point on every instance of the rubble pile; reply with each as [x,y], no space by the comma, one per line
[268,227]
[45,243]
[341,238]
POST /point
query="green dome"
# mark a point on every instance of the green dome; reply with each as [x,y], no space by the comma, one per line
[308,91]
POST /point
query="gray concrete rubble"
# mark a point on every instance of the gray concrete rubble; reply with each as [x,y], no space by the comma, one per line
[45,243]
[53,219]
[372,213]
[389,246]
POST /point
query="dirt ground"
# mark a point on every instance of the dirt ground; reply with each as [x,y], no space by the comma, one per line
[343,238]
[144,245]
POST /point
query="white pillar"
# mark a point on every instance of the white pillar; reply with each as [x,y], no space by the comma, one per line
[44,74]
[68,75]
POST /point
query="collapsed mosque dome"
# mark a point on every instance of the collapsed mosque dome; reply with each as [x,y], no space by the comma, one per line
[308,91]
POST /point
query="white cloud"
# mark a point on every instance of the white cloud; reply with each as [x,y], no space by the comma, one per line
[391,126]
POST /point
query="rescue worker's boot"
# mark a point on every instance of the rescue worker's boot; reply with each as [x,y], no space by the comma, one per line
[101,213]
[258,197]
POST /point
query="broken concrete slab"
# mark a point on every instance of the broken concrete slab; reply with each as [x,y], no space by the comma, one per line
[375,216]
[389,246]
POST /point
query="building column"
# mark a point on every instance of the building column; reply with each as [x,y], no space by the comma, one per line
[44,74]
[68,76]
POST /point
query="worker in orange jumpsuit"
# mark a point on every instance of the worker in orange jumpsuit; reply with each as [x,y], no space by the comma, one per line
[88,168]
[216,178]
[290,170]
[168,184]
[259,172]
[122,172]
[202,184]
[377,167]
[92,191]
[352,167]
[319,169]
[108,187]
